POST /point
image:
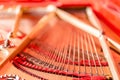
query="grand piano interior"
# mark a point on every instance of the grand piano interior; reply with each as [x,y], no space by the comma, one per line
[39,41]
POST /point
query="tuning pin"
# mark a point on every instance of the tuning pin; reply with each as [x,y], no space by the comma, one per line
[5,75]
[8,42]
[9,75]
[17,77]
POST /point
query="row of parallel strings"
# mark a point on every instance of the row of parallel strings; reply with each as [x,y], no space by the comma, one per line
[71,50]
